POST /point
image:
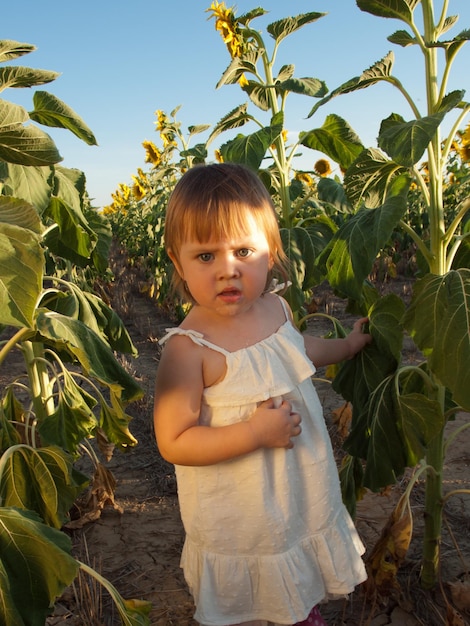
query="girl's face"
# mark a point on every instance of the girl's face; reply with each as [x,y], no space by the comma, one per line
[226,276]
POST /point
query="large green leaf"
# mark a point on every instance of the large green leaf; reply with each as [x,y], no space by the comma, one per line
[303,86]
[393,432]
[397,9]
[95,357]
[359,377]
[332,191]
[50,111]
[25,145]
[238,66]
[258,94]
[32,184]
[35,567]
[11,412]
[250,150]
[73,238]
[40,480]
[350,254]
[234,119]
[101,226]
[73,419]
[405,142]
[21,272]
[368,179]
[10,49]
[336,139]
[300,249]
[19,213]
[70,186]
[93,312]
[115,423]
[380,71]
[285,27]
[17,76]
[438,319]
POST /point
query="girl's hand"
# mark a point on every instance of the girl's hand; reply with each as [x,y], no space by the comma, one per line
[357,338]
[274,427]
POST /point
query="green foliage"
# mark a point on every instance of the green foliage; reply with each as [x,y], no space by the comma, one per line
[399,412]
[48,225]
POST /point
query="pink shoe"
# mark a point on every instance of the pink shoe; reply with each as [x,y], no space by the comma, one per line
[314,619]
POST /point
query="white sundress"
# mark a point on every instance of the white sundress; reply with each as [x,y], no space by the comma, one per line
[267,534]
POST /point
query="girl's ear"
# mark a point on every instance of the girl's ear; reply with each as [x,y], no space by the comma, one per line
[174,260]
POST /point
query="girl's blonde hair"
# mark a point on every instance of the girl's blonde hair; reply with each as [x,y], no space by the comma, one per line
[211,202]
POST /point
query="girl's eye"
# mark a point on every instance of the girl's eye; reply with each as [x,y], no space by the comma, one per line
[205,257]
[244,252]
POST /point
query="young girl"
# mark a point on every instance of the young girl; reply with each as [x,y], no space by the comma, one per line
[267,535]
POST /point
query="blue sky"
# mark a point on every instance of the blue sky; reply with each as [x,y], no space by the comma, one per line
[120,61]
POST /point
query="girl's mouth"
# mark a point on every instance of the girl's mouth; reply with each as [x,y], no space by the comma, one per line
[230,295]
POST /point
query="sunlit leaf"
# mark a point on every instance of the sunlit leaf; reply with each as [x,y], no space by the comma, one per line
[73,420]
[95,357]
[27,182]
[380,71]
[234,119]
[70,186]
[40,480]
[285,27]
[369,177]
[25,145]
[397,9]
[405,142]
[402,38]
[239,66]
[115,423]
[19,213]
[21,273]
[250,15]
[17,76]
[50,111]
[286,72]
[10,49]
[349,256]
[73,239]
[251,150]
[200,128]
[304,86]
[336,139]
[258,94]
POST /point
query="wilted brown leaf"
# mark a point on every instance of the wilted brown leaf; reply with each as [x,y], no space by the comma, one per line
[390,550]
[100,495]
[460,593]
[342,419]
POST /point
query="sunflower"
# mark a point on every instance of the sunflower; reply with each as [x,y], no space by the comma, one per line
[152,153]
[322,167]
[226,24]
[305,178]
[162,120]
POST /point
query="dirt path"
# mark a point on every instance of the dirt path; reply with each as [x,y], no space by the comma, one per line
[137,544]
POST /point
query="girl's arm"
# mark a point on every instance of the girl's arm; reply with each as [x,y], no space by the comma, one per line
[182,440]
[328,351]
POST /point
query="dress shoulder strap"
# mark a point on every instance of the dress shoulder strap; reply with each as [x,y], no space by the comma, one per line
[284,308]
[195,336]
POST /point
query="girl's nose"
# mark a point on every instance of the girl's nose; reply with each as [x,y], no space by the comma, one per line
[227,267]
